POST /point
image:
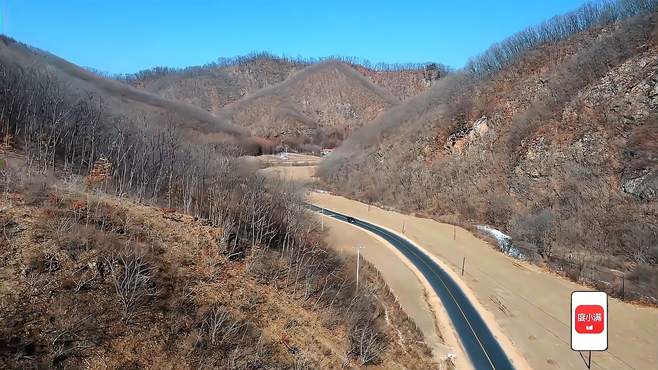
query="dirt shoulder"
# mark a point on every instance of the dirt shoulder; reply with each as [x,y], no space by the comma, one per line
[530,306]
[289,159]
[403,281]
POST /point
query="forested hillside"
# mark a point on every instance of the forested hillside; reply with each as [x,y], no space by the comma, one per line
[302,104]
[131,242]
[31,73]
[549,136]
[317,107]
[215,85]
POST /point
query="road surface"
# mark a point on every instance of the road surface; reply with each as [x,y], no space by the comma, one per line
[482,348]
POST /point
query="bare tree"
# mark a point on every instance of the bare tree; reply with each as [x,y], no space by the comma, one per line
[367,343]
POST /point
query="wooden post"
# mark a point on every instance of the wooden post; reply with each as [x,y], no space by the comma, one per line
[623,287]
[358,260]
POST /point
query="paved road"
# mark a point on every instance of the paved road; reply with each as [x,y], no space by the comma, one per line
[481,346]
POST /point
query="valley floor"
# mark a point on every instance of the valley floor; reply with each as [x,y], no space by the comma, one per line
[530,306]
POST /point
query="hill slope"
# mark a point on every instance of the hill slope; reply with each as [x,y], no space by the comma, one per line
[405,82]
[117,99]
[291,102]
[97,281]
[214,86]
[233,273]
[319,105]
[557,148]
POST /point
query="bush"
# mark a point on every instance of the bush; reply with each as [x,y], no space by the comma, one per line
[367,342]
[133,282]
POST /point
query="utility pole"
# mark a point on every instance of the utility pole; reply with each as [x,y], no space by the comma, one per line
[463,263]
[322,218]
[454,232]
[358,260]
[403,226]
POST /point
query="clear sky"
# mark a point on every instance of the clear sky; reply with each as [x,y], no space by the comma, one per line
[120,36]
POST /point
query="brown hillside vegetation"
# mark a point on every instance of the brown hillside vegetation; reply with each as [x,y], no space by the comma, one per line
[404,83]
[300,103]
[217,84]
[318,106]
[96,281]
[550,137]
[213,86]
[116,99]
[229,271]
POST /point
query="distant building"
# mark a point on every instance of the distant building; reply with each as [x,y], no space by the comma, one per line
[326,152]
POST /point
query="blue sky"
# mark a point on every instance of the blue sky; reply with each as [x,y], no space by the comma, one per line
[120,36]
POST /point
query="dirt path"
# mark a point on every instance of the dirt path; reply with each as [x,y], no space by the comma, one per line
[530,306]
[290,159]
[293,173]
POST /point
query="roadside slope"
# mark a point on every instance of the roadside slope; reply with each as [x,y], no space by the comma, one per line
[557,148]
[536,324]
[92,280]
[402,281]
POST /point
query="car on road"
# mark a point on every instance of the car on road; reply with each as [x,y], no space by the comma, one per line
[351,219]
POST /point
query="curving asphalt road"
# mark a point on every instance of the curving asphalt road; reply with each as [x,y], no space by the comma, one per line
[482,348]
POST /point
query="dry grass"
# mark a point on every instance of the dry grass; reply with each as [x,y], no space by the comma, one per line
[67,260]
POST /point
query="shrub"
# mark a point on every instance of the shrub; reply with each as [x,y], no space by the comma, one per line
[367,342]
[133,282]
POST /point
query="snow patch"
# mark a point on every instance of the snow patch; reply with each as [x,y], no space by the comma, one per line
[504,241]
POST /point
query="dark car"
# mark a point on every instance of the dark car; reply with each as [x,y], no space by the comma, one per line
[351,219]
